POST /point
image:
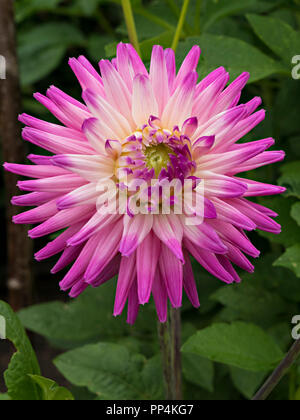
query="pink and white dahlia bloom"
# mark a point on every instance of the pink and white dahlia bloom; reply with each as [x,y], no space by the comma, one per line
[153,127]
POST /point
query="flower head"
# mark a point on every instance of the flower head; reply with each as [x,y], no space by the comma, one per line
[138,133]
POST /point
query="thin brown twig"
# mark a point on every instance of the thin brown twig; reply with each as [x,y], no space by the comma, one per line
[279,373]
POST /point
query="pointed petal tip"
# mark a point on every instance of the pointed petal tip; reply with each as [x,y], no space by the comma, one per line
[22,117]
[176,248]
[117,312]
[281,190]
[144,299]
[128,245]
[17,220]
[88,123]
[162,318]
[14,201]
[7,166]
[176,304]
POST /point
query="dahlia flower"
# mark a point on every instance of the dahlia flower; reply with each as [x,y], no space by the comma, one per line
[156,126]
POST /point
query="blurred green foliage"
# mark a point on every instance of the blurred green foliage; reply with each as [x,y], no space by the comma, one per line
[240,332]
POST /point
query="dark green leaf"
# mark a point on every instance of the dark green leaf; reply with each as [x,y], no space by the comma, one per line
[151,377]
[290,259]
[290,229]
[281,333]
[23,362]
[287,108]
[291,179]
[44,63]
[4,397]
[198,371]
[247,382]
[296,212]
[252,303]
[84,320]
[42,48]
[274,279]
[50,390]
[216,10]
[111,372]
[241,345]
[297,396]
[26,8]
[88,7]
[164,39]
[96,46]
[235,55]
[280,37]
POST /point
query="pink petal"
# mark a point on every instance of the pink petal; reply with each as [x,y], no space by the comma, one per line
[164,230]
[159,78]
[86,79]
[68,256]
[133,304]
[37,215]
[106,249]
[126,278]
[135,231]
[189,281]
[62,220]
[172,275]
[62,184]
[78,269]
[54,143]
[210,262]
[113,124]
[189,65]
[147,259]
[160,296]
[34,171]
[34,199]
[171,67]
[144,103]
[179,106]
[116,90]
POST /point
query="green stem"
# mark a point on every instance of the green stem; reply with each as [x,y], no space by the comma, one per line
[175,332]
[170,342]
[164,341]
[180,24]
[188,30]
[129,19]
[279,373]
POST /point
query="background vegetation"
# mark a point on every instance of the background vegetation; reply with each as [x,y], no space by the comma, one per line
[241,332]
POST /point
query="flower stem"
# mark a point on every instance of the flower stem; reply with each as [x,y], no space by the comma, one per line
[132,33]
[164,339]
[180,24]
[175,332]
[279,373]
[170,343]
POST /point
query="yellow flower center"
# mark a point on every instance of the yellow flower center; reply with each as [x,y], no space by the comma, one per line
[157,157]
